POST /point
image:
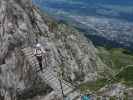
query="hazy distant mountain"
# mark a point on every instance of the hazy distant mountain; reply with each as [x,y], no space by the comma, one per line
[110,20]
[108,8]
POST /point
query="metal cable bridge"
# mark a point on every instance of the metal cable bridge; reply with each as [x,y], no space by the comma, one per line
[50,77]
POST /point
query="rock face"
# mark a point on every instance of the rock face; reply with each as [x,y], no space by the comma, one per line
[22,25]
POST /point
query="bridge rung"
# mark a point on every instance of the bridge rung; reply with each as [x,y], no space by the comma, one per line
[32,58]
[30,55]
[27,49]
[28,52]
[77,98]
[38,70]
[54,82]
[48,75]
[65,87]
[66,83]
[34,68]
[33,61]
[54,86]
[68,91]
[51,78]
[74,95]
[34,65]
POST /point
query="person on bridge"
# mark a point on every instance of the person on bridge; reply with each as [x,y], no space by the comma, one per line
[85,97]
[39,52]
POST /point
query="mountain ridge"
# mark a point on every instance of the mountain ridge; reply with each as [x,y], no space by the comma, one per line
[22,25]
[112,21]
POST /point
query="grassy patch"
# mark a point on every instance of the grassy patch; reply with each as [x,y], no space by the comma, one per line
[117,59]
[126,76]
[93,86]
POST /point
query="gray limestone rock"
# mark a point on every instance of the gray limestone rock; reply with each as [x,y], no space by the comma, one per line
[22,25]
